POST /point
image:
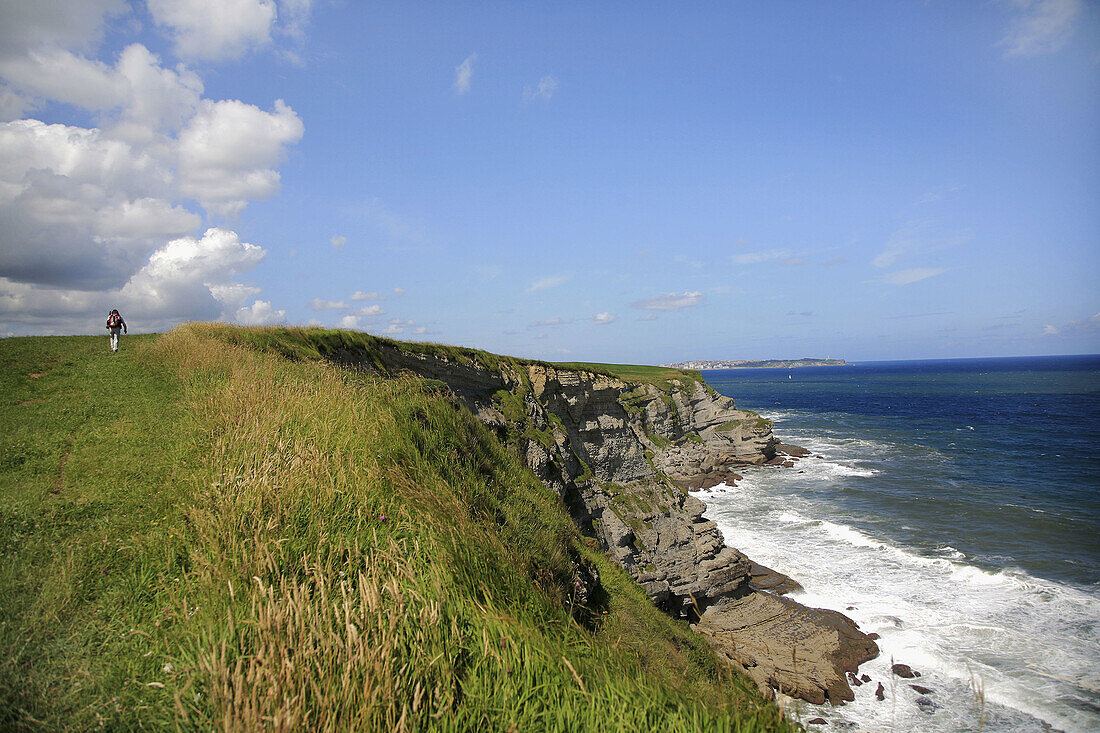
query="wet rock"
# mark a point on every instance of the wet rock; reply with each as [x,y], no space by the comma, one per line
[873,636]
[904,671]
[791,450]
[880,693]
[853,680]
[926,705]
[817,721]
[865,677]
[922,690]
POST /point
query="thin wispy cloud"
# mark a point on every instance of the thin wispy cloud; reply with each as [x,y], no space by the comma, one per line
[916,274]
[546,282]
[372,295]
[752,258]
[544,90]
[793,261]
[338,241]
[464,74]
[395,226]
[670,301]
[918,238]
[1040,26]
[601,318]
[555,321]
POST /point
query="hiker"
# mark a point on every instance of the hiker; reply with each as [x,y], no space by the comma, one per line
[114,325]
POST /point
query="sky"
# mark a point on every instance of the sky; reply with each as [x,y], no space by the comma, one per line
[630,182]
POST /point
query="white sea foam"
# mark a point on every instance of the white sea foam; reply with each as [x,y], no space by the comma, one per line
[1032,643]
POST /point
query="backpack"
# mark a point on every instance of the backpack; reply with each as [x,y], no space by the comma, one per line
[114,321]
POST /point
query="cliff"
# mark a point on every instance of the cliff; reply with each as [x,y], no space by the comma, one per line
[621,455]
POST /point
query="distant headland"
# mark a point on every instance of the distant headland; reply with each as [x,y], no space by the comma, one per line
[758,364]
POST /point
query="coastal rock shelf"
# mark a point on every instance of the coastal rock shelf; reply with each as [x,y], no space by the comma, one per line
[621,453]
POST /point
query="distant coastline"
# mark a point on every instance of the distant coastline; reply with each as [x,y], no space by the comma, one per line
[755,364]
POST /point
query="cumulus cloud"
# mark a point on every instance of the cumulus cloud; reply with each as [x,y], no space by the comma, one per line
[1041,26]
[228,151]
[213,30]
[320,304]
[61,23]
[916,274]
[544,90]
[601,318]
[338,241]
[80,209]
[464,74]
[188,278]
[360,295]
[260,313]
[370,310]
[670,301]
[546,282]
[143,96]
[349,321]
[96,214]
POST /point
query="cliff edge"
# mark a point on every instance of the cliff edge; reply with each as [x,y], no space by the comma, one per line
[621,454]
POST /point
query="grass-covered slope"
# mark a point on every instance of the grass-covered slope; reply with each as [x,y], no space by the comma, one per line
[199,534]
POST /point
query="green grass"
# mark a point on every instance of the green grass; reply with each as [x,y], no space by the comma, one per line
[199,534]
[660,377]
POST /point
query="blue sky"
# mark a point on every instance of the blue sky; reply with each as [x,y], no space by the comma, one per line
[633,182]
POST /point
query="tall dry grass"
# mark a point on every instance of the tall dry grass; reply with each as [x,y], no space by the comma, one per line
[361,554]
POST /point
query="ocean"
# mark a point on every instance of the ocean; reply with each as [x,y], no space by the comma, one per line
[953,508]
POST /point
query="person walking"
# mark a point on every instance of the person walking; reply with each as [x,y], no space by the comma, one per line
[114,325]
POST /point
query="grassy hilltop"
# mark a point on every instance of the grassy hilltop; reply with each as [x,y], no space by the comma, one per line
[199,532]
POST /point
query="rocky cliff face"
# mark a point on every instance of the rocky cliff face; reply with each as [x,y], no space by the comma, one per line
[621,455]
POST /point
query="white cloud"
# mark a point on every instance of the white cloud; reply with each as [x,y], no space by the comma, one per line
[260,313]
[398,326]
[187,279]
[1041,26]
[320,304]
[398,292]
[601,318]
[349,321]
[648,317]
[670,301]
[1049,330]
[555,321]
[546,282]
[338,241]
[80,209]
[215,29]
[360,295]
[464,74]
[905,277]
[752,258]
[61,23]
[791,262]
[228,150]
[371,310]
[544,90]
[917,238]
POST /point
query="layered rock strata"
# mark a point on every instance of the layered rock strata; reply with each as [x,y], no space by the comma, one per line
[621,456]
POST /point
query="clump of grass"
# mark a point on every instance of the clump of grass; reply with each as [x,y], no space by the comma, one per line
[287,545]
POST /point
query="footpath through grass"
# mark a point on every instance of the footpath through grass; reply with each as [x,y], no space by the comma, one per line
[196,534]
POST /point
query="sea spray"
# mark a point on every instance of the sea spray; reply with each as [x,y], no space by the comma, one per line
[953,510]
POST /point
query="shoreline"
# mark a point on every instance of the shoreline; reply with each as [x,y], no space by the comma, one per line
[890,588]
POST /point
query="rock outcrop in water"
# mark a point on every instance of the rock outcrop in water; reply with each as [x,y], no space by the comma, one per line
[621,456]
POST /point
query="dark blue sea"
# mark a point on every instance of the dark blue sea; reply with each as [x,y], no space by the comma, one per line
[951,506]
